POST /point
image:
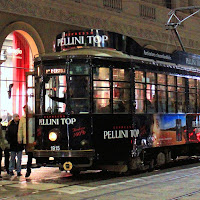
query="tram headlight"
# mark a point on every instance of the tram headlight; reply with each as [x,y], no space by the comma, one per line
[53,135]
[85,144]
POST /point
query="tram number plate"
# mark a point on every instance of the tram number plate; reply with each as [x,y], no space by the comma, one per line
[55,148]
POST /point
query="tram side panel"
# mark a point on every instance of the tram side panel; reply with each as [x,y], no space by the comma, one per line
[112,136]
[116,136]
[168,130]
[193,133]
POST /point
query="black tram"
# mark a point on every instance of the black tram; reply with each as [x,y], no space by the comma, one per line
[101,108]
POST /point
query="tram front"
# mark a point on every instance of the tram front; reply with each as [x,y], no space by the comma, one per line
[62,106]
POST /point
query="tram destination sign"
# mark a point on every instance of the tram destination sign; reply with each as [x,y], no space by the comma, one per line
[55,71]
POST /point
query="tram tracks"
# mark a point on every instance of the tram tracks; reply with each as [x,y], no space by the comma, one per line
[144,179]
[186,195]
[147,179]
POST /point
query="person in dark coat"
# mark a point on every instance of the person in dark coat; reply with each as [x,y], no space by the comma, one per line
[4,146]
[15,147]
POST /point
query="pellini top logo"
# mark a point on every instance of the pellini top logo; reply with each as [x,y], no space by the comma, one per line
[117,134]
[60,121]
[81,40]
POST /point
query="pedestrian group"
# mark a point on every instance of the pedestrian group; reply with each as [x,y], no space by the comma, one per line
[12,143]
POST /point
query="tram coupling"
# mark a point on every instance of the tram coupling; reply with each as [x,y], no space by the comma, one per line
[67,166]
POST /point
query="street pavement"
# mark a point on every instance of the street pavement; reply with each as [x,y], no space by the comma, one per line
[181,182]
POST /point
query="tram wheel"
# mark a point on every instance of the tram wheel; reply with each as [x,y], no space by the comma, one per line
[151,165]
[161,160]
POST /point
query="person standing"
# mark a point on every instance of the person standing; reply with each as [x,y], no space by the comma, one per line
[31,137]
[15,147]
[4,146]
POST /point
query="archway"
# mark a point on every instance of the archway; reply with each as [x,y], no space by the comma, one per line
[20,45]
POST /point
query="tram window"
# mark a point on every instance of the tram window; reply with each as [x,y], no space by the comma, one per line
[101,90]
[101,73]
[121,97]
[79,106]
[171,81]
[102,106]
[79,86]
[139,98]
[139,92]
[121,90]
[139,77]
[150,77]
[171,99]
[150,98]
[161,98]
[121,75]
[101,96]
[79,94]
[79,69]
[162,79]
[192,95]
[55,91]
[181,94]
[180,81]
[171,102]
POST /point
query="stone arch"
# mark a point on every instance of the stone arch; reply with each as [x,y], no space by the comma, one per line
[31,35]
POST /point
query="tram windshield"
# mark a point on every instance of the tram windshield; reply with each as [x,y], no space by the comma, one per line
[64,90]
[79,88]
[55,92]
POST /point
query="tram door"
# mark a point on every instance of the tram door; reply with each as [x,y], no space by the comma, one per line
[79,105]
[30,102]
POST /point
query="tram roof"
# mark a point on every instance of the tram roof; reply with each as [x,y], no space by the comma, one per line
[112,54]
[85,52]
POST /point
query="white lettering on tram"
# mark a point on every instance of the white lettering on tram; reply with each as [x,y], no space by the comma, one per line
[67,121]
[81,40]
[116,134]
[62,121]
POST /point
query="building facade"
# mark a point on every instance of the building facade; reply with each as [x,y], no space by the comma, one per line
[28,28]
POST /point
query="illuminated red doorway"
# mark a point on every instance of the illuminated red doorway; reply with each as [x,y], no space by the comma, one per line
[19,59]
[22,65]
